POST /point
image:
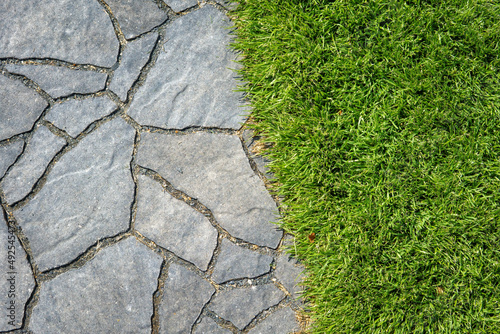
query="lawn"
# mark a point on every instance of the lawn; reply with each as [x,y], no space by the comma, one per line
[383,121]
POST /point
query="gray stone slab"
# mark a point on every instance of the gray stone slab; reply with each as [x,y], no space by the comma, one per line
[73,116]
[289,271]
[241,305]
[237,262]
[180,5]
[260,160]
[20,106]
[184,296]
[9,154]
[208,326]
[230,5]
[60,81]
[134,58]
[282,321]
[58,29]
[173,224]
[87,197]
[191,83]
[112,293]
[39,151]
[17,282]
[136,16]
[214,169]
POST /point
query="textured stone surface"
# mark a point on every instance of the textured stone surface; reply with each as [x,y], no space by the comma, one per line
[99,297]
[179,5]
[214,169]
[173,224]
[77,31]
[87,196]
[191,83]
[237,262]
[208,326]
[289,272]
[73,116]
[230,5]
[252,145]
[184,297]
[134,58]
[16,283]
[136,16]
[92,194]
[60,81]
[280,322]
[9,154]
[20,106]
[40,150]
[240,306]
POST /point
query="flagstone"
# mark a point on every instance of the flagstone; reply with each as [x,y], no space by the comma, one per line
[87,197]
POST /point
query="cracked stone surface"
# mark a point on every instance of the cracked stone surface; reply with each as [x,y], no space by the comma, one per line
[57,29]
[186,294]
[9,154]
[281,321]
[40,150]
[289,272]
[180,5]
[16,281]
[173,224]
[87,197]
[237,262]
[240,306]
[20,107]
[208,326]
[60,81]
[135,197]
[136,16]
[214,169]
[74,116]
[260,160]
[98,298]
[192,83]
[134,58]
[230,5]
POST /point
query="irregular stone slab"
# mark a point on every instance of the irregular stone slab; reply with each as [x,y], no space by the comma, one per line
[173,224]
[57,29]
[20,106]
[179,5]
[251,142]
[240,306]
[74,116]
[112,293]
[230,5]
[184,296]
[208,326]
[214,169]
[136,16]
[237,262]
[191,83]
[134,58]
[289,272]
[60,81]
[87,197]
[39,151]
[9,154]
[17,281]
[280,322]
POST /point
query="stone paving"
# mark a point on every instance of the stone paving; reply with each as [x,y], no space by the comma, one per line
[131,199]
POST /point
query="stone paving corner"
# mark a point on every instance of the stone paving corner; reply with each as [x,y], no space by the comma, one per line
[131,199]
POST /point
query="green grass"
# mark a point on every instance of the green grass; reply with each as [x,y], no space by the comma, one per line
[384,124]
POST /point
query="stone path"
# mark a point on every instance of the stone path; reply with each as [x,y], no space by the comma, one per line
[131,201]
